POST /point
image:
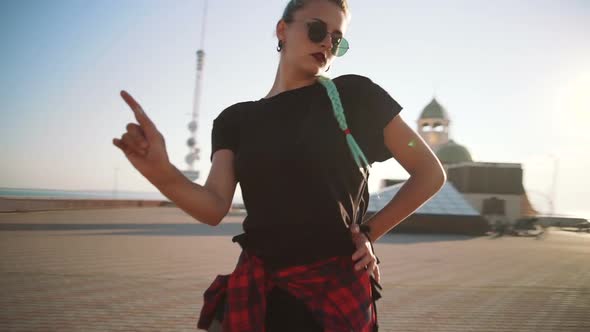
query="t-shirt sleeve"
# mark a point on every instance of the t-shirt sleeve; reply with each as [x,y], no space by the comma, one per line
[225,132]
[379,109]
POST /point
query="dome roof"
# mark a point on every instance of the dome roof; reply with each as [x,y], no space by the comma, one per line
[434,110]
[453,153]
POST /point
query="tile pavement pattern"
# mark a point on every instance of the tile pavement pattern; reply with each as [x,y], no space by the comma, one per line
[145,269]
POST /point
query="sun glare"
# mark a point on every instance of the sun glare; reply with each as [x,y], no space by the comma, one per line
[572,104]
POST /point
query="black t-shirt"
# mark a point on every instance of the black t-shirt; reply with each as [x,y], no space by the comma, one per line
[300,184]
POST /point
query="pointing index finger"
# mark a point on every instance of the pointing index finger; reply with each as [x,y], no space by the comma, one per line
[140,115]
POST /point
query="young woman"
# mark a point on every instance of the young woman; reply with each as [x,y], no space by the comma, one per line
[302,155]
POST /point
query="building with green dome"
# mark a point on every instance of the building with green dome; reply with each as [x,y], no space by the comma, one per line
[495,191]
[434,127]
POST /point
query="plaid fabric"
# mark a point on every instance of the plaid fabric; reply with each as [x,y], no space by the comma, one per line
[339,297]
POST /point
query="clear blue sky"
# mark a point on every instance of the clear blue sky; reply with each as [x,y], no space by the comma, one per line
[514,76]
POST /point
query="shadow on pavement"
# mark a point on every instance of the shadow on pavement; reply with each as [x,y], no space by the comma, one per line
[223,229]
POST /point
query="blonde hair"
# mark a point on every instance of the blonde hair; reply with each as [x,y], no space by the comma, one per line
[295,5]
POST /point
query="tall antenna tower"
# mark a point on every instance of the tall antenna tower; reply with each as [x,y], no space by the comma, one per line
[193,154]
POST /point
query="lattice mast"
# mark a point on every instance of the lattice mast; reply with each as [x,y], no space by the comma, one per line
[194,150]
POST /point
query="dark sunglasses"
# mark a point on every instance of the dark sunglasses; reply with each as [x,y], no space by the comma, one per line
[318,30]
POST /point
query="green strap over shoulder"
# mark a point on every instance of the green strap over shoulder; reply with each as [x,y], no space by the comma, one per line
[357,153]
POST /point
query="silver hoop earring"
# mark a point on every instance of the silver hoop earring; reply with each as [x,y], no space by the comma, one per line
[280,46]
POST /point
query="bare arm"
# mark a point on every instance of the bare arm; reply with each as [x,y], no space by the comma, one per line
[427,176]
[210,203]
[145,148]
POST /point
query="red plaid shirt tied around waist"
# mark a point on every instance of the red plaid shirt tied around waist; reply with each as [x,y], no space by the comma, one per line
[339,298]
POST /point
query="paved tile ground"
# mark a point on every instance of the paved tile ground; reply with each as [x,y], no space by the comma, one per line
[146,269]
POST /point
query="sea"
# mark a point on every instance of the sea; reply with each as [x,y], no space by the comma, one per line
[80,194]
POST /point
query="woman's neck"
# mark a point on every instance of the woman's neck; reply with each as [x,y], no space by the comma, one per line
[288,80]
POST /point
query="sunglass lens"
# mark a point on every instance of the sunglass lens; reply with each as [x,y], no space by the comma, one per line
[317,31]
[340,48]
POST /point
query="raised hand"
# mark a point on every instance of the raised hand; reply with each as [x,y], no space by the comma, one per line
[143,144]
